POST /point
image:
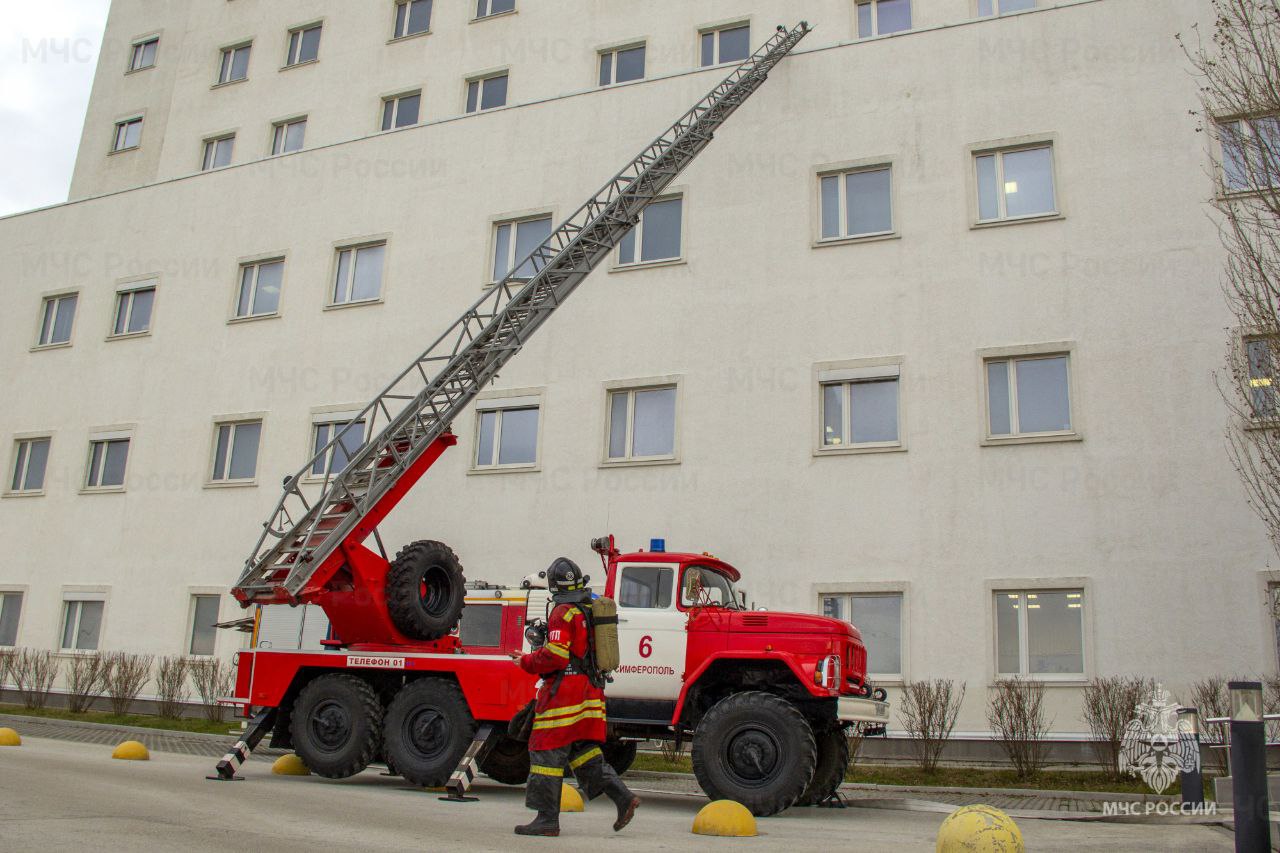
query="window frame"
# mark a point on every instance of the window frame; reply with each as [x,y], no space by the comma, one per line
[257,262]
[875,20]
[514,219]
[291,55]
[901,589]
[129,288]
[331,416]
[502,401]
[631,386]
[395,100]
[718,28]
[194,593]
[840,170]
[280,134]
[671,193]
[226,63]
[1243,338]
[55,297]
[209,151]
[23,591]
[515,7]
[122,125]
[1028,352]
[396,35]
[23,457]
[612,51]
[81,595]
[999,148]
[137,48]
[1005,586]
[234,422]
[479,80]
[996,12]
[854,371]
[355,247]
[1249,121]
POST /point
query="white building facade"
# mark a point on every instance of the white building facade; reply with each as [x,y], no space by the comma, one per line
[925,340]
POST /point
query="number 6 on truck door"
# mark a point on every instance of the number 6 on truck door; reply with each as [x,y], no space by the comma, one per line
[651,633]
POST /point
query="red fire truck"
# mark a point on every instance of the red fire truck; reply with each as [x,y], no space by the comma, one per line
[415,671]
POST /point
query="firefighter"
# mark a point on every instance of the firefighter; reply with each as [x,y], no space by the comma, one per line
[569,715]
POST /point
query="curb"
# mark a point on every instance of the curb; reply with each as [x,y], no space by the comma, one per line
[198,737]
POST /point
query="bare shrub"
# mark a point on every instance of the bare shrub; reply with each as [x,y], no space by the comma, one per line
[1210,698]
[126,675]
[856,734]
[671,751]
[212,679]
[33,672]
[1271,705]
[1018,724]
[1109,707]
[929,711]
[86,679]
[6,658]
[171,684]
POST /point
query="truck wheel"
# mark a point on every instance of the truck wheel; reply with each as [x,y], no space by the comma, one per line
[507,761]
[833,761]
[756,749]
[620,754]
[428,728]
[336,725]
[425,590]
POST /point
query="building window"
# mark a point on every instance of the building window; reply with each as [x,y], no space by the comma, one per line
[288,136]
[217,153]
[204,616]
[58,316]
[260,289]
[1250,153]
[144,54]
[514,241]
[10,613]
[860,408]
[401,110]
[133,309]
[622,65]
[1003,7]
[235,64]
[1015,183]
[1261,357]
[81,625]
[1028,396]
[347,441]
[657,237]
[1040,632]
[487,93]
[878,617]
[108,459]
[881,17]
[304,45]
[30,459]
[642,424]
[412,17]
[235,452]
[857,203]
[359,274]
[728,44]
[507,433]
[489,8]
[128,134]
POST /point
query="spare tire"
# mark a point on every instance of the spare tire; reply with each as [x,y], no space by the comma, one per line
[425,590]
[507,760]
[620,754]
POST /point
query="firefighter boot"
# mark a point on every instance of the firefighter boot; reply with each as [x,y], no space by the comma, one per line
[626,802]
[543,796]
[545,824]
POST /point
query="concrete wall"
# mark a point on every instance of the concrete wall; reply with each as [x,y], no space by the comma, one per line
[1144,512]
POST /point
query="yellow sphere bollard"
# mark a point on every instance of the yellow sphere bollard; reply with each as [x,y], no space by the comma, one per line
[290,765]
[131,750]
[570,799]
[8,737]
[725,818]
[979,829]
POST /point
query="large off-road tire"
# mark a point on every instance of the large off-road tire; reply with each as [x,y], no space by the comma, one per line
[756,749]
[620,754]
[507,761]
[833,761]
[336,725]
[425,590]
[428,728]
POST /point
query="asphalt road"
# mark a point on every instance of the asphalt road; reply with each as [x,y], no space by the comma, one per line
[58,795]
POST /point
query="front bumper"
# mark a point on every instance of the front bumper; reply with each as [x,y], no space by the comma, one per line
[855,709]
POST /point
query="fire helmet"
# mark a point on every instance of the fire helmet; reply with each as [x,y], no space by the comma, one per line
[566,582]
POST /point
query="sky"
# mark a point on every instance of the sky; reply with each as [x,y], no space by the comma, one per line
[48,53]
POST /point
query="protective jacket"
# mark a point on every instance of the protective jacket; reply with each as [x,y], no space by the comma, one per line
[568,708]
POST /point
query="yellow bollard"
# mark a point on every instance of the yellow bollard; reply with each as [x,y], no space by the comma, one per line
[131,750]
[8,737]
[570,799]
[979,829]
[290,765]
[725,818]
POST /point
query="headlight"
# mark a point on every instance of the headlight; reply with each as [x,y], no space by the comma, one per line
[827,672]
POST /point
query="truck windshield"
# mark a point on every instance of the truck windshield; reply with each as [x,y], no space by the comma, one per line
[703,587]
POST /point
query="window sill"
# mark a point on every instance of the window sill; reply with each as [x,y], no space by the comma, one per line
[128,336]
[253,318]
[232,484]
[43,347]
[102,490]
[1034,438]
[505,469]
[227,83]
[409,37]
[856,450]
[491,17]
[302,64]
[639,463]
[861,238]
[35,493]
[133,71]
[648,265]
[115,151]
[355,303]
[1048,681]
[1017,220]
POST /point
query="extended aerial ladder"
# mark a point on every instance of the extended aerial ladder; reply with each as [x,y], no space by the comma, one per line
[310,549]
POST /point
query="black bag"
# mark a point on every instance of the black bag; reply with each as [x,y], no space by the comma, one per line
[521,726]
